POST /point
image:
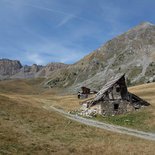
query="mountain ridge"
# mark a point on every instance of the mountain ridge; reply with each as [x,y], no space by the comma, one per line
[13,69]
[132,52]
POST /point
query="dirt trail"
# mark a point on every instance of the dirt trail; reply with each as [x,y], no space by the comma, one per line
[106,126]
[109,127]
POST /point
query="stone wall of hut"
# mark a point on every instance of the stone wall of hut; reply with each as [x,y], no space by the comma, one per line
[112,107]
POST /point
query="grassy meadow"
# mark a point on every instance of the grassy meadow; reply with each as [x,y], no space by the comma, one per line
[26,128]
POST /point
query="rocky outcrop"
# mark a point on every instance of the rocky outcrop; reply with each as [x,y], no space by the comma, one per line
[28,72]
[48,69]
[37,71]
[9,67]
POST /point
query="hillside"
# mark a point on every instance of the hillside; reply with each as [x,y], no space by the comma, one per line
[132,53]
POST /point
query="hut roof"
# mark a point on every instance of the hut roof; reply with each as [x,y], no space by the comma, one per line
[107,86]
[83,87]
[136,98]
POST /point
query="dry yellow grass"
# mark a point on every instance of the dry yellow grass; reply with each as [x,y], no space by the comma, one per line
[67,102]
[19,86]
[27,128]
[147,92]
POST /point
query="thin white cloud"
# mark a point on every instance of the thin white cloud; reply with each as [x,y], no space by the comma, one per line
[65,20]
[52,52]
[67,17]
[21,3]
[57,11]
[35,58]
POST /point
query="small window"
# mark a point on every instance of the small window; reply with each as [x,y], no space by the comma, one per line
[116,106]
[117,89]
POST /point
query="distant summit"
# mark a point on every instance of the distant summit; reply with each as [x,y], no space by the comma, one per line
[146,24]
[14,69]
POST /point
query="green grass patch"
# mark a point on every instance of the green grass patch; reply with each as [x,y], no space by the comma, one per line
[136,120]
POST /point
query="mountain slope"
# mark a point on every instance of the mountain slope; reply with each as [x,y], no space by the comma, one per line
[50,68]
[132,52]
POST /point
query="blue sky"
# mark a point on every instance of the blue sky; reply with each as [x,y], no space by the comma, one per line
[43,31]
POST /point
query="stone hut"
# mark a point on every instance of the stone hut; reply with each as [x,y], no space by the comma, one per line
[84,94]
[114,98]
[85,90]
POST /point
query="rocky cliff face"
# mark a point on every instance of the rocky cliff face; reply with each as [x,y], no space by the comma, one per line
[9,67]
[13,69]
[132,53]
[28,72]
[50,68]
[36,71]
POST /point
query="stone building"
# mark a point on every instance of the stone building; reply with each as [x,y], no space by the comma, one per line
[114,98]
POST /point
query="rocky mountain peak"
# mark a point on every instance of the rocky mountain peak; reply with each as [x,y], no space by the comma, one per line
[35,68]
[146,24]
[142,27]
[9,67]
